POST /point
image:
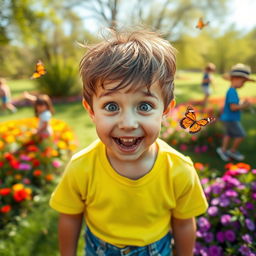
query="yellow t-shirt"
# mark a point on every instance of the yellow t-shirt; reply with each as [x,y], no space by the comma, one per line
[122,211]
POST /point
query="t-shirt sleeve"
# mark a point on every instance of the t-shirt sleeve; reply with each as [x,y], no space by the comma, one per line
[69,196]
[232,97]
[190,197]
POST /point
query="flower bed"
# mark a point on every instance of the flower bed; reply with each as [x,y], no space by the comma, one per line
[207,139]
[229,226]
[28,166]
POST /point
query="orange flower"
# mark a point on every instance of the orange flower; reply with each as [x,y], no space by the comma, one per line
[49,177]
[198,166]
[243,166]
[5,208]
[37,172]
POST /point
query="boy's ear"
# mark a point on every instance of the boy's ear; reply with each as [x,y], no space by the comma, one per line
[88,108]
[169,107]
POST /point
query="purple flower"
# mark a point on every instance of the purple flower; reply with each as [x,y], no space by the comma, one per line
[250,225]
[204,148]
[231,193]
[224,202]
[25,158]
[244,250]
[208,237]
[213,210]
[220,236]
[215,201]
[215,250]
[225,219]
[247,238]
[203,224]
[254,196]
[230,235]
[249,206]
[24,167]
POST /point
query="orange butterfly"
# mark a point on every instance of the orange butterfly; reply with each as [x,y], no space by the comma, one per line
[189,121]
[40,70]
[201,24]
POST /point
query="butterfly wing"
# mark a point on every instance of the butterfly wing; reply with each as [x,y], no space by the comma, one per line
[40,70]
[200,23]
[196,127]
[186,122]
[189,118]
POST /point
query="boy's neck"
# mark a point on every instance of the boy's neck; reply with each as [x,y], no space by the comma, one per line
[134,170]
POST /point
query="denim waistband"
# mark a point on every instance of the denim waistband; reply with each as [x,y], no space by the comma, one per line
[100,246]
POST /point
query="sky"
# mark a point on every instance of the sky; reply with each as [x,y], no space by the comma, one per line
[243,13]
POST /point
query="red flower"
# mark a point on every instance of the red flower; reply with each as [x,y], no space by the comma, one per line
[32,148]
[5,208]
[20,195]
[14,163]
[8,156]
[35,162]
[1,164]
[5,191]
[37,172]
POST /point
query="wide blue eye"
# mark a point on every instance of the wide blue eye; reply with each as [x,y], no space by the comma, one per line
[145,107]
[111,107]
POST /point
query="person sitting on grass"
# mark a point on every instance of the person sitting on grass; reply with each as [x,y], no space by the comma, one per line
[231,116]
[5,95]
[131,187]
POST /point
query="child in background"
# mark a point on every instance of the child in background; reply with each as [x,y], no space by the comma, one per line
[5,95]
[43,110]
[207,82]
[130,187]
[231,116]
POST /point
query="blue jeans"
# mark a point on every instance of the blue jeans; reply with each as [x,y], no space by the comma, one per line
[97,247]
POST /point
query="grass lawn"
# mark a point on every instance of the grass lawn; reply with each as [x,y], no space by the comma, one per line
[37,234]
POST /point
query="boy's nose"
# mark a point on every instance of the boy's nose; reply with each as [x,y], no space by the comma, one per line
[128,120]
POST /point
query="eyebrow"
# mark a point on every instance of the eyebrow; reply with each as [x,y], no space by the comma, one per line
[146,94]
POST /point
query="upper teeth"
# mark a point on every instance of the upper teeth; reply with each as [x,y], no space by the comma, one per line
[127,140]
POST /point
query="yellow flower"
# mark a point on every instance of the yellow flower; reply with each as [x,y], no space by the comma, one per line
[17,187]
[62,144]
[9,139]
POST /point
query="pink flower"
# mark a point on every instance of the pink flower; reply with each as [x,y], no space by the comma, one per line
[56,163]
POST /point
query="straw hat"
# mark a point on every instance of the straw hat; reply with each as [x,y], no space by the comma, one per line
[239,70]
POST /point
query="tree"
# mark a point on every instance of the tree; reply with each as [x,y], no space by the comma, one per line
[169,16]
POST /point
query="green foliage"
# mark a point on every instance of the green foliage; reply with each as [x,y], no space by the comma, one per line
[61,78]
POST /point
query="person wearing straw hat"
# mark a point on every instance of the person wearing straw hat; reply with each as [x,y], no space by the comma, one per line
[231,116]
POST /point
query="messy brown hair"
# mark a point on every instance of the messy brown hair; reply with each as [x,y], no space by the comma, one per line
[138,58]
[43,99]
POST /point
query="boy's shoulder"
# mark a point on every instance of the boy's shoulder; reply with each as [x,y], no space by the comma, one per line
[173,153]
[90,150]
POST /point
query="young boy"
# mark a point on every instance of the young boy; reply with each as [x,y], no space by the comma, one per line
[231,116]
[130,186]
[207,81]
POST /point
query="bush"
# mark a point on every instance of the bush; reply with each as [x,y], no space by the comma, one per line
[28,166]
[61,78]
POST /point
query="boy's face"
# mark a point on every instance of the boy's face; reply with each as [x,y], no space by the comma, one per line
[127,122]
[238,82]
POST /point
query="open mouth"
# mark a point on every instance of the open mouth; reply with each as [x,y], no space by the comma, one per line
[128,144]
